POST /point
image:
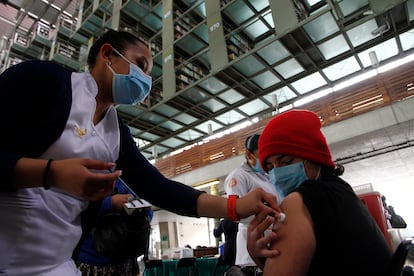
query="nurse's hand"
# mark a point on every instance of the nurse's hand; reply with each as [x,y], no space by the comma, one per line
[256,201]
[258,239]
[85,178]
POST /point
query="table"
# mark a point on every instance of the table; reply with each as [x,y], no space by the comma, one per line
[204,266]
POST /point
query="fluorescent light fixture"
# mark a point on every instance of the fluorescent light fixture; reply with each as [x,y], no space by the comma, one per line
[355,80]
[374,59]
[313,97]
[396,63]
[207,184]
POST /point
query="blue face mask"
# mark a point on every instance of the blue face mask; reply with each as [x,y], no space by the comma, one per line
[258,168]
[272,177]
[131,88]
[286,179]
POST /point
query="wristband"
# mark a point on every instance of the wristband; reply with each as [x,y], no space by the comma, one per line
[45,174]
[231,208]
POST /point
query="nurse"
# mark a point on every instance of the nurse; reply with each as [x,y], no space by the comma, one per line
[63,145]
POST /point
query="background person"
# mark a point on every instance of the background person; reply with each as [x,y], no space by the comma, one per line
[92,263]
[241,181]
[76,150]
[395,220]
[229,229]
[327,229]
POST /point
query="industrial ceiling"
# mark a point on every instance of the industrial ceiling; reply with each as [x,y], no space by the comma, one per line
[270,65]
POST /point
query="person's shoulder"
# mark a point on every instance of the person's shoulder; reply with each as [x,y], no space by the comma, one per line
[36,69]
[292,200]
[40,63]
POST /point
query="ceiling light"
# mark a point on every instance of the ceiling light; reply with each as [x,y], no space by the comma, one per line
[374,59]
[207,184]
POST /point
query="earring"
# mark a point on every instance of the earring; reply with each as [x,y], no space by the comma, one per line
[109,63]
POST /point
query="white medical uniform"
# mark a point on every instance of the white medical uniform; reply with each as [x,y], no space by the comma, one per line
[239,182]
[40,228]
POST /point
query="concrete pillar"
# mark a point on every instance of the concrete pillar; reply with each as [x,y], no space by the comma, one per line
[217,43]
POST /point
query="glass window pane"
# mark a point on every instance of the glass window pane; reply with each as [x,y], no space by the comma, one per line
[213,85]
[333,47]
[172,143]
[407,40]
[231,96]
[202,32]
[213,105]
[249,66]
[191,44]
[362,33]
[321,27]
[259,5]
[273,53]
[129,109]
[313,2]
[185,118]
[166,110]
[190,135]
[151,117]
[284,94]
[194,95]
[342,69]
[204,127]
[171,126]
[266,79]
[410,7]
[254,107]
[256,29]
[238,12]
[230,117]
[309,83]
[348,7]
[269,19]
[383,51]
[289,68]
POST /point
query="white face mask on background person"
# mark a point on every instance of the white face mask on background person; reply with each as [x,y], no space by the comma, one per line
[131,88]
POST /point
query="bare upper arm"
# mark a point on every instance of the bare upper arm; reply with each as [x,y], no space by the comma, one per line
[296,240]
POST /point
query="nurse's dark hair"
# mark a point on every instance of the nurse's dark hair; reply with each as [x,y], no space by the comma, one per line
[119,41]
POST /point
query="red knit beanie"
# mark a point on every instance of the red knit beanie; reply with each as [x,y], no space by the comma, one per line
[297,133]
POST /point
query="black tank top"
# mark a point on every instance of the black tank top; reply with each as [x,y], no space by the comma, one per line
[348,240]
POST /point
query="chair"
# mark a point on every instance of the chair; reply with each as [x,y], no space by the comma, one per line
[185,266]
[153,268]
[373,202]
[221,266]
[403,253]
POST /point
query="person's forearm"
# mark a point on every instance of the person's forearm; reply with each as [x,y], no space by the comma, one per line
[212,206]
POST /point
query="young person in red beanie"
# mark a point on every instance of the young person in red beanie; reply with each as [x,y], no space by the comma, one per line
[327,230]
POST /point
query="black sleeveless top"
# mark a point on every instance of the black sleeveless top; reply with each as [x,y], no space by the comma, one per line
[348,240]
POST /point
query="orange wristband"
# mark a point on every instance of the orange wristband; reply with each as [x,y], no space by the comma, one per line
[231,208]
